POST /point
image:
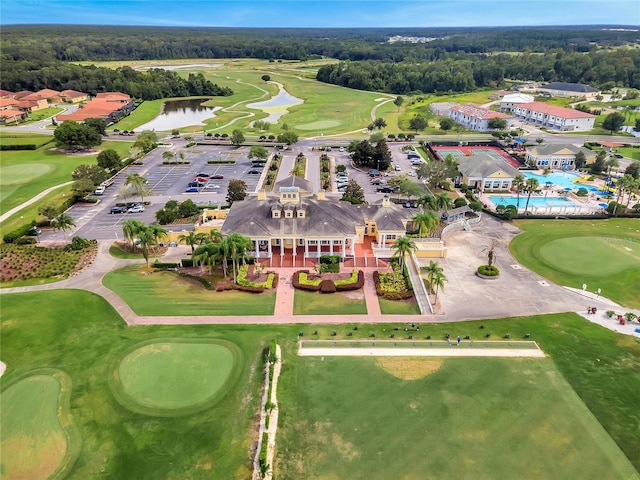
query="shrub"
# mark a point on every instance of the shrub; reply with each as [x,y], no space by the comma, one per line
[187,262]
[488,271]
[243,282]
[459,202]
[327,286]
[355,282]
[205,283]
[77,243]
[13,235]
[165,265]
[382,281]
[26,241]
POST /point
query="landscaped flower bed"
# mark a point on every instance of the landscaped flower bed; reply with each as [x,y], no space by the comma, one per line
[392,286]
[329,284]
[28,262]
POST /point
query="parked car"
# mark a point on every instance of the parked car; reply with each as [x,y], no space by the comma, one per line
[341,149]
[212,186]
[136,209]
[378,181]
[390,174]
[100,190]
[192,190]
[398,168]
[374,173]
[201,179]
[417,161]
[341,177]
[115,210]
[196,184]
[411,173]
[254,171]
[34,231]
[217,176]
[202,175]
[385,190]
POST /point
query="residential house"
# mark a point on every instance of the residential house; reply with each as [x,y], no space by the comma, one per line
[10,115]
[21,94]
[553,117]
[485,173]
[564,89]
[51,96]
[6,94]
[73,96]
[561,156]
[110,106]
[474,117]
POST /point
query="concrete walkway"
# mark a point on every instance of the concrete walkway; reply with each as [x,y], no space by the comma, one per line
[44,193]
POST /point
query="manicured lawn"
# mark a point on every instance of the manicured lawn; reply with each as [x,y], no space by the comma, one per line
[57,197]
[42,114]
[145,112]
[165,293]
[27,173]
[339,303]
[170,378]
[119,253]
[466,419]
[630,152]
[603,254]
[80,334]
[398,307]
[34,410]
[20,138]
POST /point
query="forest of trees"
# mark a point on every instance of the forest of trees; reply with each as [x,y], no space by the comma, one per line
[606,69]
[460,59]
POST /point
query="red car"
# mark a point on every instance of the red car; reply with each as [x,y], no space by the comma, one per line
[217,176]
[201,179]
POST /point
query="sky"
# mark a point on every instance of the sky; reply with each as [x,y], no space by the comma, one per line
[326,13]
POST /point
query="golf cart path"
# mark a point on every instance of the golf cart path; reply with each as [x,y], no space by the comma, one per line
[33,200]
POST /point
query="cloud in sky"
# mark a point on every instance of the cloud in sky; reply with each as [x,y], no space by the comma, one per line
[327,13]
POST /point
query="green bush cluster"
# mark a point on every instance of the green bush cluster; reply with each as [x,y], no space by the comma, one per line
[78,243]
[166,265]
[187,262]
[347,281]
[301,281]
[262,458]
[391,286]
[242,279]
[489,271]
[14,235]
[205,283]
[219,162]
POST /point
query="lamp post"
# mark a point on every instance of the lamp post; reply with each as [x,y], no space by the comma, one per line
[22,219]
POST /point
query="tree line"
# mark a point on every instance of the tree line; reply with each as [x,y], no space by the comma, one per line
[17,75]
[605,69]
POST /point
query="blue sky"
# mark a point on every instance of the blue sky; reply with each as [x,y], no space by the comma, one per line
[327,13]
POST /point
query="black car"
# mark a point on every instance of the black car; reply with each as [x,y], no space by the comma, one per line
[385,190]
[202,175]
[217,176]
[34,231]
[117,210]
[254,171]
[196,184]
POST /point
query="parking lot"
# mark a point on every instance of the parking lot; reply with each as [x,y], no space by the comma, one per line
[167,182]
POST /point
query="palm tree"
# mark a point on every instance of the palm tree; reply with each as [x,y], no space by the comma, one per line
[237,246]
[491,252]
[439,280]
[125,192]
[158,232]
[147,239]
[215,236]
[443,201]
[130,230]
[63,222]
[428,201]
[167,155]
[611,163]
[518,183]
[139,184]
[424,222]
[401,247]
[192,239]
[530,187]
[433,269]
[207,254]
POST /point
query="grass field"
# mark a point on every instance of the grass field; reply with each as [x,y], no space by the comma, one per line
[164,293]
[37,427]
[78,333]
[27,173]
[394,307]
[169,378]
[143,113]
[630,152]
[453,418]
[339,303]
[603,254]
[20,138]
[38,115]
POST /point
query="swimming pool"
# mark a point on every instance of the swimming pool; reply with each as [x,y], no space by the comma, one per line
[542,202]
[562,179]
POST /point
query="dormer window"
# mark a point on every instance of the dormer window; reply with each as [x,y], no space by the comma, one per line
[301,213]
[289,214]
[275,213]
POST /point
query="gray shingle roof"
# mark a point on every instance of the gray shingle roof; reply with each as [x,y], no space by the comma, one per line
[570,87]
[482,165]
[553,149]
[294,181]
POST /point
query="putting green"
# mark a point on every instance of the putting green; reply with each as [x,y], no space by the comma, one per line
[173,377]
[319,125]
[23,172]
[591,255]
[34,419]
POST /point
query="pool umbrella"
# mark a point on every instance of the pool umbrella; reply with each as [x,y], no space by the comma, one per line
[603,205]
[548,183]
[568,189]
[594,189]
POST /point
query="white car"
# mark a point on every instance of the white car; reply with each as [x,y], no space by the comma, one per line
[411,173]
[212,186]
[341,149]
[136,209]
[398,168]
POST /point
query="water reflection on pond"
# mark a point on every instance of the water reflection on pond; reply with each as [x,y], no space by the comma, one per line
[277,106]
[179,114]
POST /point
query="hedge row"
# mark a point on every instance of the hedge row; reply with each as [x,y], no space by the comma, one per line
[217,162]
[28,146]
[187,262]
[176,163]
[20,232]
[205,283]
[389,295]
[355,282]
[166,265]
[242,279]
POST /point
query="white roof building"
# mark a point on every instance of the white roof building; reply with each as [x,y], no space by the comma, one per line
[510,101]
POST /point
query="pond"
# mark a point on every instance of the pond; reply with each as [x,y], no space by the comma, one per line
[276,106]
[179,114]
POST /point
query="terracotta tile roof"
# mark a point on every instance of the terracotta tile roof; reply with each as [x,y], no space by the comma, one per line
[6,93]
[72,94]
[22,94]
[11,113]
[7,102]
[113,96]
[26,103]
[555,111]
[478,112]
[45,93]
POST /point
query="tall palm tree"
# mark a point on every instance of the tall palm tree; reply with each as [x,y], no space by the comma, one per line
[491,252]
[428,201]
[237,246]
[139,184]
[63,222]
[130,230]
[401,247]
[147,239]
[518,184]
[158,232]
[207,254]
[439,280]
[530,186]
[192,239]
[425,222]
[433,269]
[443,201]
[214,236]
